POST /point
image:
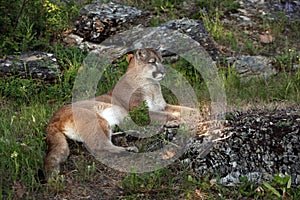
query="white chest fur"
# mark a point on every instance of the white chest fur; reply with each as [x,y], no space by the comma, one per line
[155,104]
[113,115]
[155,100]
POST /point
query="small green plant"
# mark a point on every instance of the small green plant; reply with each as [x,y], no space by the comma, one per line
[156,20]
[216,27]
[225,6]
[90,172]
[26,35]
[246,188]
[163,6]
[288,60]
[231,77]
[280,186]
[285,123]
[21,22]
[56,184]
[140,115]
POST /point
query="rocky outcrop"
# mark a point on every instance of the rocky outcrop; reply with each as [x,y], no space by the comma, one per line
[161,37]
[36,65]
[99,21]
[262,144]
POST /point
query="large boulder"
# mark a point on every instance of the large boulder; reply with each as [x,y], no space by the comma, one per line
[99,21]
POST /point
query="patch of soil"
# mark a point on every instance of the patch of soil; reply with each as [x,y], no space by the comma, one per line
[84,178]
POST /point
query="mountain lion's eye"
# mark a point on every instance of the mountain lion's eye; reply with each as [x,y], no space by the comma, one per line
[152,60]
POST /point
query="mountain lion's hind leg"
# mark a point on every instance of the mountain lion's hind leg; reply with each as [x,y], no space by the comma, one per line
[98,139]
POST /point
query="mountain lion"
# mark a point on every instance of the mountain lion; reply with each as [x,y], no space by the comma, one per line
[141,83]
[92,121]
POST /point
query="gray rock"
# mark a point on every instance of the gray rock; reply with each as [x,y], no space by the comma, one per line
[99,21]
[253,66]
[197,31]
[39,65]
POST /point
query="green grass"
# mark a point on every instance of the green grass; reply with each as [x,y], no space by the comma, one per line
[160,184]
[22,146]
[27,105]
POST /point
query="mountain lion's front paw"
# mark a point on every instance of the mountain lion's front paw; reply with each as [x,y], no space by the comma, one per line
[132,149]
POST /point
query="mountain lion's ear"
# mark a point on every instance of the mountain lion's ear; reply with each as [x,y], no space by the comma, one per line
[129,57]
[141,54]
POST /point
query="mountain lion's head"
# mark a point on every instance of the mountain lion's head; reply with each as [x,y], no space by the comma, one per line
[148,63]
